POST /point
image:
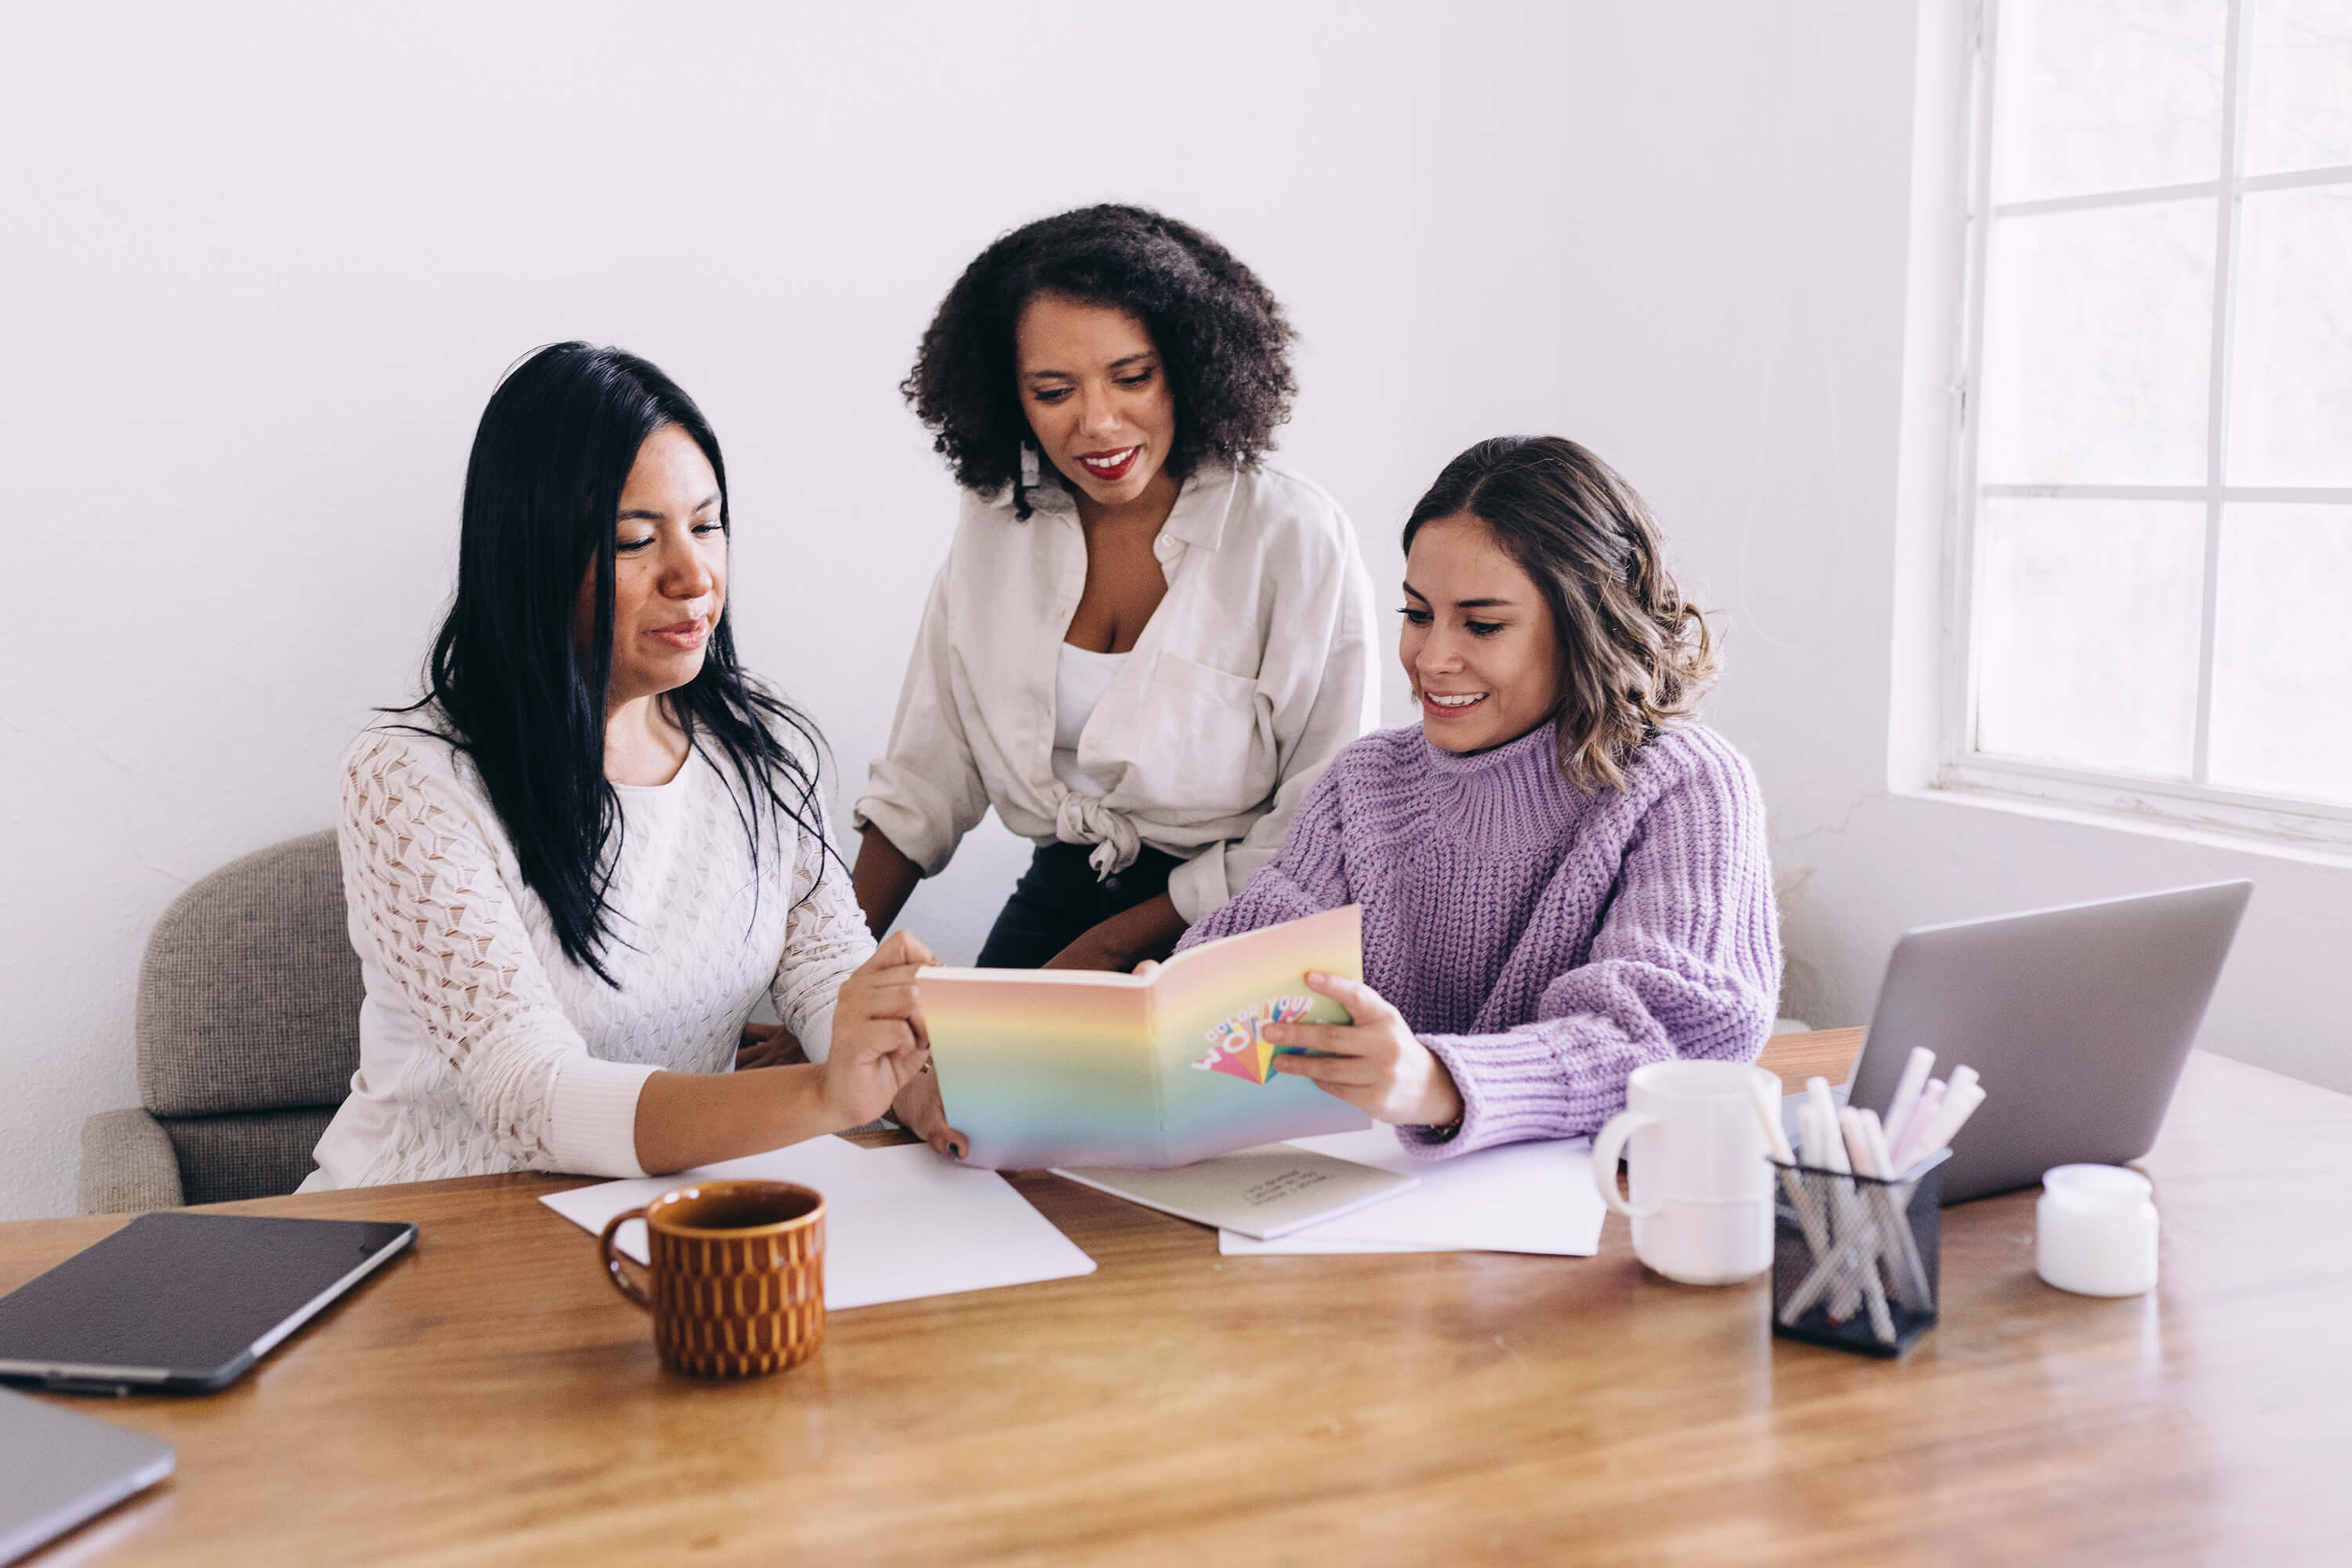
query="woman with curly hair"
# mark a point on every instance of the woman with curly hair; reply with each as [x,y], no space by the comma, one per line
[1564,877]
[1146,641]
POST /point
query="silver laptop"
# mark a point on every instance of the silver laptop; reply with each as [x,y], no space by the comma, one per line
[58,1469]
[2079,1018]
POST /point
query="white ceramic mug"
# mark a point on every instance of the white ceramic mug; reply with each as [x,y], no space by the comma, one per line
[1702,1190]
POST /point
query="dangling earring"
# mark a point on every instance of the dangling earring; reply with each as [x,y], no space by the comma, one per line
[1029,471]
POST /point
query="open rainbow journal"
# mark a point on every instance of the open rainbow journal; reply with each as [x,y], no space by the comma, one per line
[1047,1067]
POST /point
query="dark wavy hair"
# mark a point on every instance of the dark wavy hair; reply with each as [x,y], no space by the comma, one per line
[1634,656]
[1222,338]
[521,698]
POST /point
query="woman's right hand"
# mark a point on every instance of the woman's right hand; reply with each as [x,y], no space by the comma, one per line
[878,1043]
[920,1111]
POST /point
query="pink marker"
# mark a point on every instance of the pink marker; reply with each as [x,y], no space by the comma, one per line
[1923,1116]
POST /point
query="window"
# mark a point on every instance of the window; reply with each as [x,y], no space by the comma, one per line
[2153,587]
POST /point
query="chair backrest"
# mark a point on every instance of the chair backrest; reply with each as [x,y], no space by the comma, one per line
[249,994]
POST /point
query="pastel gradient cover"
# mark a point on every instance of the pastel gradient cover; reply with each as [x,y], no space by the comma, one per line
[1042,1068]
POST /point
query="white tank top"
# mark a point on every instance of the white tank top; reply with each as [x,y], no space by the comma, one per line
[1079,681]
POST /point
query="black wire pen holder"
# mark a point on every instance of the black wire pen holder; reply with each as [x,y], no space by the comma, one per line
[1854,1257]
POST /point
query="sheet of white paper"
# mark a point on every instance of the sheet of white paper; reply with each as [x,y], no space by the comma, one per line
[1521,1197]
[899,1222]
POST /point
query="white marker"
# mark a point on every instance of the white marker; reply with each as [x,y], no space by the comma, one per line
[1958,1106]
[1879,1155]
[1768,1110]
[1906,1092]
[1931,1102]
[1857,1142]
[1824,1107]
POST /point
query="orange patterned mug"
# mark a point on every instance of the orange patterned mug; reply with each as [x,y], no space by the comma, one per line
[737,1276]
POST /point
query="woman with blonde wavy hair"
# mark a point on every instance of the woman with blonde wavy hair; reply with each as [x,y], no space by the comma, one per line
[1564,875]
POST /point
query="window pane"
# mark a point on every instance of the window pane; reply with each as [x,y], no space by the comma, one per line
[2299,92]
[2098,333]
[2290,398]
[2281,662]
[2087,617]
[2106,95]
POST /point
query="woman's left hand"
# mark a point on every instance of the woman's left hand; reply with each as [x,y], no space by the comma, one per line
[1374,1062]
[768,1046]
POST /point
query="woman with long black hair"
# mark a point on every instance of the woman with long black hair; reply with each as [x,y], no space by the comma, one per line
[576,867]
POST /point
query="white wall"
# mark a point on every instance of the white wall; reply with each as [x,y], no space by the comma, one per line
[1866,849]
[259,268]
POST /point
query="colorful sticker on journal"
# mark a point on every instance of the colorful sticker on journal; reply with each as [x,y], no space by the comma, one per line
[1238,1045]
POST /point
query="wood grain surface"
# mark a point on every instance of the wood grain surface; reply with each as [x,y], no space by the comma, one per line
[490,1400]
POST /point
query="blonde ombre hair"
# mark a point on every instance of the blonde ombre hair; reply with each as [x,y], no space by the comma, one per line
[1635,655]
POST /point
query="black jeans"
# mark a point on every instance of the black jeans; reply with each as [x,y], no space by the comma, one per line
[1059,901]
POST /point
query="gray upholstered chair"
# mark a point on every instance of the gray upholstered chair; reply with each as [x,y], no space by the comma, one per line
[249,1032]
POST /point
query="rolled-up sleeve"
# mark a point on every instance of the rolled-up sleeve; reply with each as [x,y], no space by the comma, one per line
[1320,677]
[925,792]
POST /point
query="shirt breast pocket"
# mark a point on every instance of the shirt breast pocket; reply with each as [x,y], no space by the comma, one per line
[1208,752]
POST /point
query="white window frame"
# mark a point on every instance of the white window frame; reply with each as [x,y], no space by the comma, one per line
[2129,799]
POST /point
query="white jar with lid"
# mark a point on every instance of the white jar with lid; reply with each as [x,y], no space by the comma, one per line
[2094,1231]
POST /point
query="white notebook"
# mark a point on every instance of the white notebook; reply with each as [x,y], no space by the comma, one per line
[900,1222]
[1520,1198]
[1265,1191]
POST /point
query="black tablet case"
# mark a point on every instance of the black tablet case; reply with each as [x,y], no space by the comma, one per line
[197,1298]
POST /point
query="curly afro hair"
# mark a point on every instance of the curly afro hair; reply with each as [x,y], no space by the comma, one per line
[1222,338]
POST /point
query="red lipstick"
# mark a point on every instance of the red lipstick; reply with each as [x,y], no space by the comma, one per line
[1112,466]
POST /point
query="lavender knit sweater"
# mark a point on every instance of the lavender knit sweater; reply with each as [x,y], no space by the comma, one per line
[1541,940]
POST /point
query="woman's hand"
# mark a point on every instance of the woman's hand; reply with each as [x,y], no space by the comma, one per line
[1150,930]
[1374,1062]
[920,1112]
[878,1043]
[768,1046]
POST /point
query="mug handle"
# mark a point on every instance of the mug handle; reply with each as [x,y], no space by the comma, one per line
[1607,1145]
[613,1259]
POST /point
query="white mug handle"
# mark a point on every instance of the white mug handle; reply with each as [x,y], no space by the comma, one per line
[1607,1145]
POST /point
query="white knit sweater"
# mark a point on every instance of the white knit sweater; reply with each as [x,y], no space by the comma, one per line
[482,1049]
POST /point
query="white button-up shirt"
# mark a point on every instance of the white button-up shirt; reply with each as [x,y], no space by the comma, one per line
[1253,671]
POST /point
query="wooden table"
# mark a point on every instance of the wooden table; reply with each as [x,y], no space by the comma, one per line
[489,1399]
